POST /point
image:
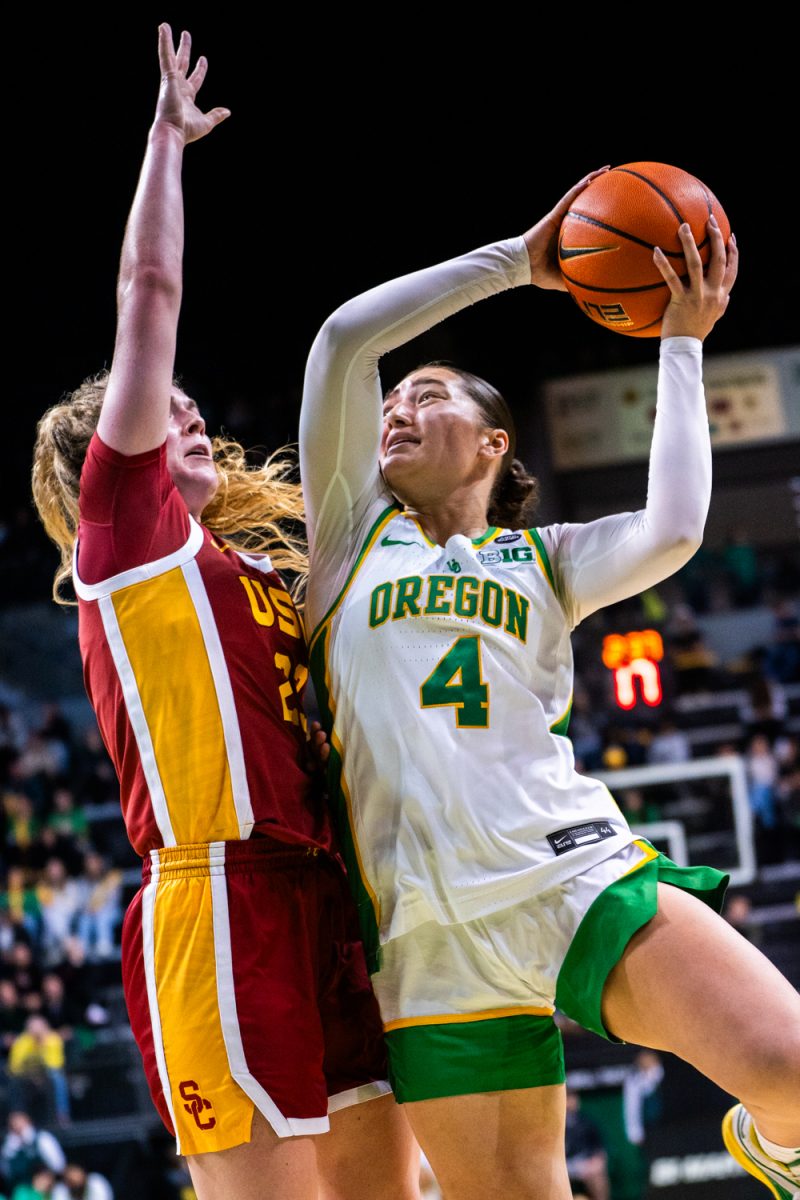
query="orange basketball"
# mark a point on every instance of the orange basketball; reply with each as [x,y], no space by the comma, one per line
[605,247]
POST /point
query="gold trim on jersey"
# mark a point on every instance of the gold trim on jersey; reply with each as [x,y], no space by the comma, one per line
[543,566]
[489,1014]
[380,524]
[649,853]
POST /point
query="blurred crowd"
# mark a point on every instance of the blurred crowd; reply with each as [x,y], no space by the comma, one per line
[60,904]
[33,1166]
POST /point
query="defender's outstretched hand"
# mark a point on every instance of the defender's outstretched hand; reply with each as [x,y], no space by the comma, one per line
[542,239]
[696,307]
[176,99]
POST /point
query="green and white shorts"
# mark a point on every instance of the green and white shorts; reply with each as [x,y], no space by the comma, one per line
[469,1008]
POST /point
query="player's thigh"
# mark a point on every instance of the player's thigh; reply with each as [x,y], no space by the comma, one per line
[369,1154]
[689,984]
[506,1143]
[265,1166]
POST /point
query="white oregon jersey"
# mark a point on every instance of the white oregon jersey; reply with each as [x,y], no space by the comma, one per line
[445,673]
[448,675]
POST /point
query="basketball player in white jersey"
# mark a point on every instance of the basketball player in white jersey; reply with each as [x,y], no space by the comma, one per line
[492,880]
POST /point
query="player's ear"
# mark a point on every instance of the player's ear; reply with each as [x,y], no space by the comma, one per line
[494,443]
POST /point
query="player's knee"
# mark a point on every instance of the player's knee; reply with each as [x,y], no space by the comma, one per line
[538,1179]
[777,1072]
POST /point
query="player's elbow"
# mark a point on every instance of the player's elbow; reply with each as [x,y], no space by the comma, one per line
[682,543]
[341,337]
[147,281]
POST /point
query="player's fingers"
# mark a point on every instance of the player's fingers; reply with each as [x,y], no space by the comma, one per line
[166,50]
[198,74]
[717,261]
[732,267]
[218,114]
[670,278]
[184,51]
[560,210]
[694,264]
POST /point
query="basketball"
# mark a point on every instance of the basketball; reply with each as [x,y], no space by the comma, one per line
[606,242]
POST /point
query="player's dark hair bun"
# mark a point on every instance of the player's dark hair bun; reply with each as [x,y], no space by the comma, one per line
[515,498]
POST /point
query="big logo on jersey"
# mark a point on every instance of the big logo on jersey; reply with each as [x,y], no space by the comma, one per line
[510,556]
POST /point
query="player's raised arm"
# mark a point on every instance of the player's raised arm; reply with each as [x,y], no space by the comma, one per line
[340,423]
[615,557]
[135,410]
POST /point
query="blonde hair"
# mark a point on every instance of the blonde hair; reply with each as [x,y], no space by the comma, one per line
[255,509]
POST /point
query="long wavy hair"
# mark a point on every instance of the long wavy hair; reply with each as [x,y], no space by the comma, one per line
[255,509]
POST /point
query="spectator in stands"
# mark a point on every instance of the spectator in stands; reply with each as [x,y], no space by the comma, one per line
[762,773]
[782,660]
[12,738]
[7,938]
[26,1149]
[40,1187]
[79,1184]
[636,809]
[40,763]
[66,830]
[788,792]
[101,907]
[587,1162]
[22,828]
[64,1012]
[55,727]
[22,969]
[77,976]
[21,903]
[693,663]
[36,1062]
[639,1091]
[12,1015]
[741,568]
[669,744]
[96,779]
[765,708]
[60,898]
[587,744]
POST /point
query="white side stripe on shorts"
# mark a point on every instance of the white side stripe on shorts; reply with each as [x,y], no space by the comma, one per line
[148,939]
[226,996]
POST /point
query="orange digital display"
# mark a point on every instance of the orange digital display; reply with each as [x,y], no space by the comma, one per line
[635,656]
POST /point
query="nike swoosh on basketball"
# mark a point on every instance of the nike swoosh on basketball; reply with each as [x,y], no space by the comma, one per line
[580,251]
[387,541]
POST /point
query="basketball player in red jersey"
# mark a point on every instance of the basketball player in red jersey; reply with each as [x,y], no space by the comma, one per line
[246,986]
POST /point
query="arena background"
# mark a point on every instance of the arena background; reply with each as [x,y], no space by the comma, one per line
[353,155]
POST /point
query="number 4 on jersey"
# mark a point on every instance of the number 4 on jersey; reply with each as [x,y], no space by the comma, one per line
[457,679]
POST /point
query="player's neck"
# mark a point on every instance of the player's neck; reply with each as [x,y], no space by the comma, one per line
[464,514]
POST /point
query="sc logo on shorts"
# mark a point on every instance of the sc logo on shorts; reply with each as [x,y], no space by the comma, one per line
[196,1104]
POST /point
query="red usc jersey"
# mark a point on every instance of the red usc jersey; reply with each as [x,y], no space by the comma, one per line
[195,663]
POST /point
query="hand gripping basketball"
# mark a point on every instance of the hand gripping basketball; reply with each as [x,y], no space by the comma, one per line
[696,307]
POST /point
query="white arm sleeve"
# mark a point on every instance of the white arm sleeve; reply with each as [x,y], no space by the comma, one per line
[615,557]
[340,422]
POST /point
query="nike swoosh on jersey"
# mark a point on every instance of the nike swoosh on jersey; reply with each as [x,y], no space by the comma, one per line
[387,541]
[565,252]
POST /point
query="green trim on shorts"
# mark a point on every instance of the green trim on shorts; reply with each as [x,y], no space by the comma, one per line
[458,1058]
[610,923]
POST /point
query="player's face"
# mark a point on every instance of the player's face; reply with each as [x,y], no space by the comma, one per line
[435,439]
[189,460]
